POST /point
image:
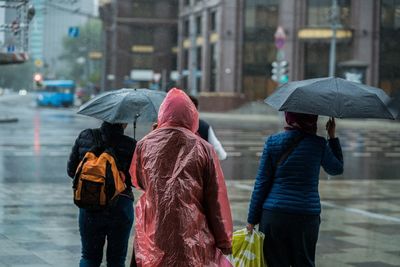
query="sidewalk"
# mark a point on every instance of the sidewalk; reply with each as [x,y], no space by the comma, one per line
[359,228]
[4,111]
[258,111]
[277,118]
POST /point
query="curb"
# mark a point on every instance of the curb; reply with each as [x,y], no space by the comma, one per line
[8,120]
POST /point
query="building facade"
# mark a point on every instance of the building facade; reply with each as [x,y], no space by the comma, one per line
[2,21]
[210,50]
[48,28]
[235,55]
[140,43]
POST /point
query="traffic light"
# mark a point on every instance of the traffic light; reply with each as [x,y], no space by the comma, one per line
[31,13]
[38,79]
[280,71]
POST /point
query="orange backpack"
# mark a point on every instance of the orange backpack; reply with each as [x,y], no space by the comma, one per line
[97,181]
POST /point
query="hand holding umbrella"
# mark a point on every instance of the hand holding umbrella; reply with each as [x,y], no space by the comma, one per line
[331,128]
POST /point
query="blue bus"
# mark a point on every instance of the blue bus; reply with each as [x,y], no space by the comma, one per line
[56,93]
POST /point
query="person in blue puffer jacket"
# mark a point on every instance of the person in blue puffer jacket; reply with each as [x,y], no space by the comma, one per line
[285,201]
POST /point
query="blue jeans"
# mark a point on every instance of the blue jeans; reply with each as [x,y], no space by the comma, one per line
[114,224]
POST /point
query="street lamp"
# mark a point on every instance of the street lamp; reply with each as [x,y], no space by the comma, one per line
[334,26]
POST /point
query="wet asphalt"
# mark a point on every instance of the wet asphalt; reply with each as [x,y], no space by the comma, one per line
[36,147]
[38,221]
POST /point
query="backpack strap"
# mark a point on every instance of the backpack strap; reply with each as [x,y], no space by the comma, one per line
[107,146]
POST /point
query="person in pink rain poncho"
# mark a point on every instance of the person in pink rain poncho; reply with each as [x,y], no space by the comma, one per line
[183,217]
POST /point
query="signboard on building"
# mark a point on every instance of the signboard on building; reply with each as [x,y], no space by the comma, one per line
[73,32]
[142,75]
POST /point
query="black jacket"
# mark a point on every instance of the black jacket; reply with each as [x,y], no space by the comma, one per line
[203,129]
[112,135]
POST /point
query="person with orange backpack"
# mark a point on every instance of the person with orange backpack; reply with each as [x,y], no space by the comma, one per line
[99,163]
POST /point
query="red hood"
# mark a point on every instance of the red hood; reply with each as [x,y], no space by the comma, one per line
[177,110]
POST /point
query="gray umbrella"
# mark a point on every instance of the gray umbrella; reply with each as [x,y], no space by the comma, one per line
[124,106]
[333,97]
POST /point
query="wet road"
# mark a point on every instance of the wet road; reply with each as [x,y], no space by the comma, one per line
[43,137]
[38,222]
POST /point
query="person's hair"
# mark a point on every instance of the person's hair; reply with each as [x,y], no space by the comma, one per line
[194,100]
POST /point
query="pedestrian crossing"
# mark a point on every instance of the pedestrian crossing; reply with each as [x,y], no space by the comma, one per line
[237,144]
[355,144]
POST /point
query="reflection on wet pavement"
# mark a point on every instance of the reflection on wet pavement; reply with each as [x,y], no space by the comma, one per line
[38,221]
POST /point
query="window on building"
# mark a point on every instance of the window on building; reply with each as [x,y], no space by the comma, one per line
[261,13]
[319,12]
[142,61]
[199,25]
[213,21]
[143,35]
[316,58]
[186,28]
[260,23]
[144,8]
[389,67]
[213,67]
[199,56]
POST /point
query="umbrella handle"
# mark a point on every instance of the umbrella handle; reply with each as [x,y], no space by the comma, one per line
[134,129]
[134,125]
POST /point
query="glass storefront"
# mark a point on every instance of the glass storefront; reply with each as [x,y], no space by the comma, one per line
[319,12]
[316,52]
[389,67]
[143,8]
[213,67]
[260,23]
[316,58]
[154,9]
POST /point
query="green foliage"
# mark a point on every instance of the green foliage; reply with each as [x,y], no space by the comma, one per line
[76,53]
[17,76]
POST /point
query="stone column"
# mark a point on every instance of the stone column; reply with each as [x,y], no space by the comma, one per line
[227,46]
[366,24]
[292,17]
[205,60]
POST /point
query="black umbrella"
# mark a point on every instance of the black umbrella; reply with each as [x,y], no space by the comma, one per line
[333,97]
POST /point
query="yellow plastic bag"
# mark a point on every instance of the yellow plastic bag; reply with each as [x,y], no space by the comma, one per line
[247,249]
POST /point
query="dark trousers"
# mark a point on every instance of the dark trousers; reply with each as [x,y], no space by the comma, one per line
[114,225]
[290,239]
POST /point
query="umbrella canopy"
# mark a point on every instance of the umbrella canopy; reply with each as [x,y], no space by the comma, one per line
[124,106]
[333,97]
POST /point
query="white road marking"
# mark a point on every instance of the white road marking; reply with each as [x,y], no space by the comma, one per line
[234,154]
[362,212]
[332,205]
[392,155]
[373,149]
[362,154]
